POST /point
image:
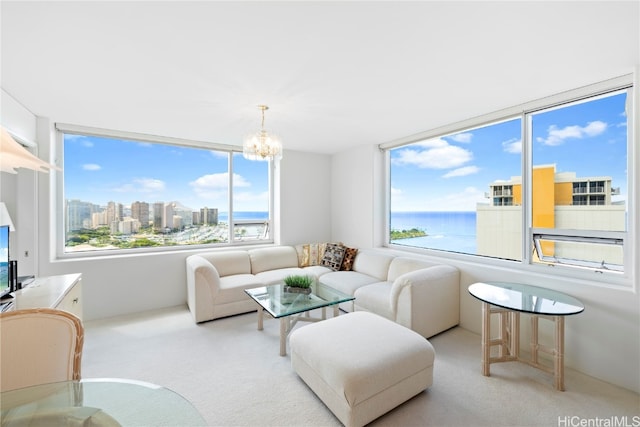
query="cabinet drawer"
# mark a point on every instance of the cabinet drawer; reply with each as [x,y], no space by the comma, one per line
[72,302]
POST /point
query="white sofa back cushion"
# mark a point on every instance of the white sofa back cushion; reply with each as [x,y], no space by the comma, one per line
[372,264]
[229,262]
[402,265]
[272,258]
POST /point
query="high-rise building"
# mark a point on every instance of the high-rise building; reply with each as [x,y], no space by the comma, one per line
[559,200]
[158,215]
[209,216]
[78,214]
[140,211]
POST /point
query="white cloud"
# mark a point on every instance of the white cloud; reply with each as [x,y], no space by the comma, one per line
[439,154]
[218,181]
[463,171]
[215,185]
[513,146]
[142,185]
[465,200]
[396,191]
[91,167]
[557,136]
[462,137]
[149,185]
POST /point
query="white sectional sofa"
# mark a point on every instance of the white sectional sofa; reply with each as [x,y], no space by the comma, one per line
[420,295]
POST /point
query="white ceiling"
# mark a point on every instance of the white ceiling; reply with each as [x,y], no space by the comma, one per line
[335,74]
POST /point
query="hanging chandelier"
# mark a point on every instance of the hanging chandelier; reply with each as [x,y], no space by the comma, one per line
[262,145]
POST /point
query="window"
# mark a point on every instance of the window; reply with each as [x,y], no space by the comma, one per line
[451,192]
[543,183]
[579,181]
[125,192]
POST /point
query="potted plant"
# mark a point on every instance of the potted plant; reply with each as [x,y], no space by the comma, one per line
[298,284]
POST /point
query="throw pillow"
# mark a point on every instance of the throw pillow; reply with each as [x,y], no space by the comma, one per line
[303,260]
[310,254]
[333,256]
[349,257]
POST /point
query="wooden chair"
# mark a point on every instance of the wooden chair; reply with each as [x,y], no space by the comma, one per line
[39,346]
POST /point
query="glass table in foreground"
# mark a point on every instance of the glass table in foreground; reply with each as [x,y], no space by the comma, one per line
[97,402]
[508,300]
[291,307]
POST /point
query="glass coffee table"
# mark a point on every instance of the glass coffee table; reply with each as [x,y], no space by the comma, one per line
[292,307]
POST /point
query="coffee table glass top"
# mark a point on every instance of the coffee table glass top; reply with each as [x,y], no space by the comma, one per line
[97,402]
[526,298]
[280,304]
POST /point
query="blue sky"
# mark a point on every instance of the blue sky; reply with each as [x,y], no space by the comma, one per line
[453,173]
[100,170]
[4,244]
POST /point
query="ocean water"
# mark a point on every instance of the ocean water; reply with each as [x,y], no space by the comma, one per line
[449,231]
[224,216]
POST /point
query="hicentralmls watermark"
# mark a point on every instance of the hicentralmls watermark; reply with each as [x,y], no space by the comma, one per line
[613,421]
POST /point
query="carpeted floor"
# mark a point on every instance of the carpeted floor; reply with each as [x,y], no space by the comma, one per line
[233,375]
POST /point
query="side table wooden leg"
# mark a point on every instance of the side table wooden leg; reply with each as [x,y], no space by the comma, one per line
[514,337]
[534,339]
[486,337]
[558,371]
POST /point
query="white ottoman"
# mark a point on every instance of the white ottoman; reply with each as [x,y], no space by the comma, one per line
[361,365]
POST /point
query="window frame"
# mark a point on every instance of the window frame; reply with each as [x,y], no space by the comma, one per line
[58,220]
[524,111]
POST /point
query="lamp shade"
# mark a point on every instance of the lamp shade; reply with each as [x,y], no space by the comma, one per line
[14,156]
[5,218]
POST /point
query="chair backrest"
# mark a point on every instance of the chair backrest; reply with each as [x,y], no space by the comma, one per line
[39,346]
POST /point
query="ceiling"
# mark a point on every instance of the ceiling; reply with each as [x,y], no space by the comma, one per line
[335,74]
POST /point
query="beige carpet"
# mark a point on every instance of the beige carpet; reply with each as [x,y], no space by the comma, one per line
[234,377]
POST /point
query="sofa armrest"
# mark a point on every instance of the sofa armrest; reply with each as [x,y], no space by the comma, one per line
[203,284]
[427,300]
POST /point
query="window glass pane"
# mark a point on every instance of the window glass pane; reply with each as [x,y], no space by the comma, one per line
[122,194]
[250,199]
[579,177]
[457,192]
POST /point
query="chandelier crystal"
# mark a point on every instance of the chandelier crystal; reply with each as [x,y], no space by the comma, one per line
[262,145]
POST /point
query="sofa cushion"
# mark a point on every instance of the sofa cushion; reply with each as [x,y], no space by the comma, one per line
[316,270]
[232,288]
[229,262]
[349,257]
[333,256]
[272,258]
[402,265]
[347,281]
[373,264]
[375,298]
[271,277]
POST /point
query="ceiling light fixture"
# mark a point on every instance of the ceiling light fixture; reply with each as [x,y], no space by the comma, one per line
[262,145]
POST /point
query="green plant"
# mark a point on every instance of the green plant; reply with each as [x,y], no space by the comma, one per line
[298,281]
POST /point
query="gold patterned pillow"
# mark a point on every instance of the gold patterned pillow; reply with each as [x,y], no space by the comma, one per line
[310,254]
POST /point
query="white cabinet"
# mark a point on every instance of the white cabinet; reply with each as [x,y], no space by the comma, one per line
[61,292]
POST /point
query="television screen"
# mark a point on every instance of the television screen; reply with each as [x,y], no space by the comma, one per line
[4,260]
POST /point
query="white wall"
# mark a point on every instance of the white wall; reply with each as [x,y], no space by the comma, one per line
[305,198]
